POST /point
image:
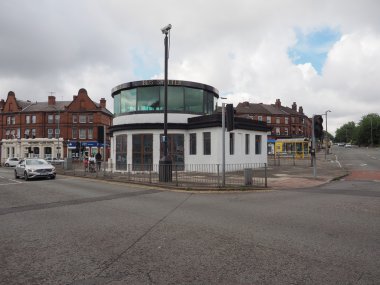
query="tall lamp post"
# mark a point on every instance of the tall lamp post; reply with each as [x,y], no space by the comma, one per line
[165,165]
[223,142]
[327,137]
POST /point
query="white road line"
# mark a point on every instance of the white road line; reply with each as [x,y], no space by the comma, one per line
[337,161]
[11,183]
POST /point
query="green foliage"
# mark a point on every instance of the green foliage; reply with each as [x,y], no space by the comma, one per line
[368,130]
[345,133]
[365,133]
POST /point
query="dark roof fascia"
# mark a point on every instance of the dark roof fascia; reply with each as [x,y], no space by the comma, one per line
[200,122]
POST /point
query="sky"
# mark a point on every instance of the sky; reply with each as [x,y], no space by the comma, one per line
[323,55]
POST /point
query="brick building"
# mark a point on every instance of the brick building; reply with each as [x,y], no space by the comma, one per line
[285,122]
[53,129]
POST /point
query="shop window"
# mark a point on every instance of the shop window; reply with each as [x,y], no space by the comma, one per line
[175,150]
[121,152]
[142,152]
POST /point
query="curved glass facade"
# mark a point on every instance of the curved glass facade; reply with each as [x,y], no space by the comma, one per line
[139,96]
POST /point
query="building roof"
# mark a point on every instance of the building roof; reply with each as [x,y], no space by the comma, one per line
[265,109]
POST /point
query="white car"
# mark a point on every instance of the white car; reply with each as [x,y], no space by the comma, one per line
[34,168]
[11,161]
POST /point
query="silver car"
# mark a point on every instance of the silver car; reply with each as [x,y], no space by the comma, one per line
[34,168]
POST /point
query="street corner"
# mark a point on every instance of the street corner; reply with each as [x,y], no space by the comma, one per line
[291,182]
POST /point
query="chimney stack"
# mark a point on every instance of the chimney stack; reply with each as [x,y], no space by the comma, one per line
[294,106]
[51,100]
[278,103]
[103,103]
[300,110]
[2,103]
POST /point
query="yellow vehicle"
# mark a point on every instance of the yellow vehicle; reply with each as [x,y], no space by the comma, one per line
[294,147]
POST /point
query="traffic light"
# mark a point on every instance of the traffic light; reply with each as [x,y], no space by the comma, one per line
[100,134]
[318,126]
[230,117]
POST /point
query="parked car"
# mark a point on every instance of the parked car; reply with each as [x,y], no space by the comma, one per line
[348,145]
[341,144]
[34,168]
[11,161]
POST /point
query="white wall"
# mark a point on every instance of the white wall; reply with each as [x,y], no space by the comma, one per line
[239,156]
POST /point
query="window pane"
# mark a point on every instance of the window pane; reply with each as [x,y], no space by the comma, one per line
[82,133]
[128,101]
[194,100]
[257,144]
[90,133]
[207,143]
[193,143]
[116,104]
[74,133]
[82,119]
[50,119]
[175,98]
[209,103]
[232,143]
[175,150]
[246,143]
[121,152]
[142,151]
[148,99]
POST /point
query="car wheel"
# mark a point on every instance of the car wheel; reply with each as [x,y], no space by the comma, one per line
[16,176]
[6,165]
[26,176]
[52,177]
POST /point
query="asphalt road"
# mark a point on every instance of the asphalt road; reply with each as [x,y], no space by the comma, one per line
[79,231]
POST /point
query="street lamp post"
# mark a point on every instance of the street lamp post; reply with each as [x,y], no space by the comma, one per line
[165,165]
[327,137]
[223,143]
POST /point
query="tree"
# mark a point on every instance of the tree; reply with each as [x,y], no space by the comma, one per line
[368,130]
[345,133]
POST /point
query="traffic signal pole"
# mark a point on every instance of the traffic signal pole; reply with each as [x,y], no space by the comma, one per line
[313,149]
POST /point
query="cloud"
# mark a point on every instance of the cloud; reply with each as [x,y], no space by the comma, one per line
[240,47]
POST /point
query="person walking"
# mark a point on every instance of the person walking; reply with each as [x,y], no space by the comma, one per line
[98,158]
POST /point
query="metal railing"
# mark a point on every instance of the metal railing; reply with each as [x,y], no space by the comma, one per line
[288,160]
[185,175]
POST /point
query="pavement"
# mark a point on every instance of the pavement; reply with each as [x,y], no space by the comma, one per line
[302,175]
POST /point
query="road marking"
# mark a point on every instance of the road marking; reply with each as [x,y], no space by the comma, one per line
[337,161]
[363,164]
[10,183]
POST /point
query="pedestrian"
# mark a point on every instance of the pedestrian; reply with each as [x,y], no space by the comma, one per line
[98,158]
[85,162]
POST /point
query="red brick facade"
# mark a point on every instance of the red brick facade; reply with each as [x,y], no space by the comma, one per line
[285,122]
[52,128]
